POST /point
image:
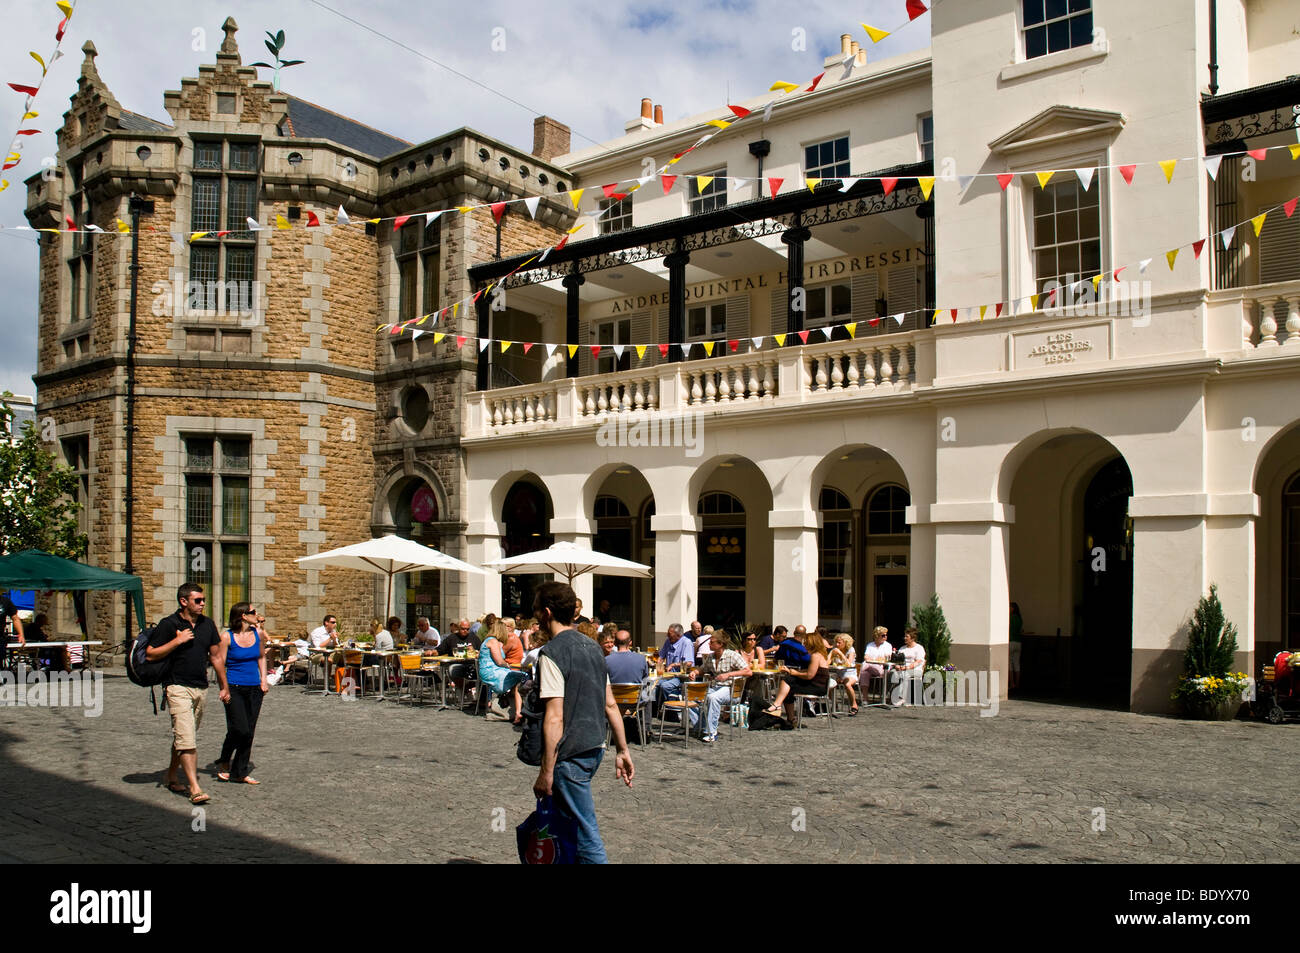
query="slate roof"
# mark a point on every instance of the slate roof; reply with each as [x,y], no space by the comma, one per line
[309,121]
[137,123]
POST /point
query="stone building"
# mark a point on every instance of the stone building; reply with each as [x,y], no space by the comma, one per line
[270,420]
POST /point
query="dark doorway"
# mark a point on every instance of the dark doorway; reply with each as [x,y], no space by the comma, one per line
[891,608]
[1102,660]
[526,516]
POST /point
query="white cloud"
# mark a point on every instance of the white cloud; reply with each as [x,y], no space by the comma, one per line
[586,63]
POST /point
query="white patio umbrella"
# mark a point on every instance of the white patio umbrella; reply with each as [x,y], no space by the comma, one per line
[568,560]
[387,556]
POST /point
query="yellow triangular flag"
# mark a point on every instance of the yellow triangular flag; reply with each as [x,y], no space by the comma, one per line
[576,196]
[674,160]
[708,347]
[438,336]
[852,329]
[1295,150]
[876,35]
[1044,178]
[281,221]
[1096,283]
[31,115]
[935,320]
[37,57]
[720,123]
[122,226]
[1258,222]
[1170,256]
[65,7]
[455,309]
[784,87]
[577,228]
[423,318]
[780,339]
[1033,302]
[197,235]
[4,184]
[640,351]
[464,209]
[702,182]
[1168,166]
[983,308]
[926,182]
[373,221]
[505,346]
[573,349]
[812,183]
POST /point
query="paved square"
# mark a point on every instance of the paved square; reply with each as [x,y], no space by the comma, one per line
[374,781]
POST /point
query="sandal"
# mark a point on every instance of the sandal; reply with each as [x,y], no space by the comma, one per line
[199,798]
[775,712]
[249,779]
[223,775]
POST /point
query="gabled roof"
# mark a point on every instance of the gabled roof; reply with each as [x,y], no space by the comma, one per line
[1056,123]
[309,121]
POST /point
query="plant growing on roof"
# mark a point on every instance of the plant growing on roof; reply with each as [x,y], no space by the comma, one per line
[275,43]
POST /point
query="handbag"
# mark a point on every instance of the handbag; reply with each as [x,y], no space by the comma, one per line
[546,836]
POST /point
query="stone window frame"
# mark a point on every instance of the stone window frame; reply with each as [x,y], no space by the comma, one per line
[81,431]
[422,255]
[241,240]
[836,168]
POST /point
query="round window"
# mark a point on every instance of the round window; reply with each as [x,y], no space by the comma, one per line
[415,408]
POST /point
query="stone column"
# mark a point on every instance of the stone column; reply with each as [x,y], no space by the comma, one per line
[677,569]
[482,592]
[794,567]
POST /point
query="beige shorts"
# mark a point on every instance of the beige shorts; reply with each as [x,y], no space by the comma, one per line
[186,708]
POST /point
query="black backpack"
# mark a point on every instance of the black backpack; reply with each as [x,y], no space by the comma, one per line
[143,672]
[529,748]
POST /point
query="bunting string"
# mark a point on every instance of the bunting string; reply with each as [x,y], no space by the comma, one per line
[14,155]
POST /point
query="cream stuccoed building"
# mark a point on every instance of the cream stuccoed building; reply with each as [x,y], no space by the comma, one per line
[1099,462]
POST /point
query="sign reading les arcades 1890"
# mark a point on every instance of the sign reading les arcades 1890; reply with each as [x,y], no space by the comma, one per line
[1078,345]
[814,274]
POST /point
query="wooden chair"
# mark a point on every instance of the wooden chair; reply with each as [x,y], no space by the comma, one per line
[737,698]
[417,683]
[694,700]
[628,699]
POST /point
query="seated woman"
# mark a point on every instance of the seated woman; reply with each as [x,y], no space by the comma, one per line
[814,680]
[874,657]
[752,651]
[909,674]
[493,670]
[846,655]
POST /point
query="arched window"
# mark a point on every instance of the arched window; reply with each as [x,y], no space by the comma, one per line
[647,514]
[719,504]
[887,512]
[608,507]
[721,558]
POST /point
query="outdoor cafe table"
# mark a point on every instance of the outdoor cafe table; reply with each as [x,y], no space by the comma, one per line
[445,661]
[14,648]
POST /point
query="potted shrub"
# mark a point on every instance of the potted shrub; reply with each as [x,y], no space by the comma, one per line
[933,635]
[1209,689]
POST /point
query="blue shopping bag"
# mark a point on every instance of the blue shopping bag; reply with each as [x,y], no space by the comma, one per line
[547,837]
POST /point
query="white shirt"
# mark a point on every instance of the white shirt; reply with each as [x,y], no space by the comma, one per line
[319,636]
[702,646]
[915,654]
[429,636]
[383,639]
[877,653]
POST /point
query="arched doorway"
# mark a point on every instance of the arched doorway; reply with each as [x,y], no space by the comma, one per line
[525,519]
[721,559]
[1071,568]
[415,512]
[612,596]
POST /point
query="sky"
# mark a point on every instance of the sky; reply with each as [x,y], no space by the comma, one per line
[586,63]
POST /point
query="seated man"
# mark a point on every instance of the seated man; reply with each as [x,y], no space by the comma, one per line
[461,638]
[425,637]
[791,651]
[625,666]
[725,664]
[676,655]
[772,639]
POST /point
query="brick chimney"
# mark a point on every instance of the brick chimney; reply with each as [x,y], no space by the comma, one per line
[550,138]
[659,115]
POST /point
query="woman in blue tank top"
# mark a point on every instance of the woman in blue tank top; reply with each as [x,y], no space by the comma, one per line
[245,653]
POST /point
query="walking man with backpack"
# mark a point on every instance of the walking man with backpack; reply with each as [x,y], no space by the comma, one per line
[574,690]
[188,640]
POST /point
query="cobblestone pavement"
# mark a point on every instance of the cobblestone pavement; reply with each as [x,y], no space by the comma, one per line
[372,781]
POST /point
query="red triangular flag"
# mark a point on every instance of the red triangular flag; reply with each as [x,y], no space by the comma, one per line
[1127,171]
[58,33]
[476,294]
[803,336]
[29,90]
[28,132]
[71,224]
[460,341]
[223,234]
[914,9]
[609,189]
[663,350]
[595,350]
[740,111]
[888,184]
[1259,155]
[312,220]
[873,322]
[400,221]
[1289,207]
[528,346]
[774,186]
[1115,277]
[997,312]
[733,346]
[395,329]
[668,181]
[813,87]
[953,312]
[563,241]
[498,209]
[1004,179]
[1197,246]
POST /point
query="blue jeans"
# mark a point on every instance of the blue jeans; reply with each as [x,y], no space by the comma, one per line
[571,789]
[717,698]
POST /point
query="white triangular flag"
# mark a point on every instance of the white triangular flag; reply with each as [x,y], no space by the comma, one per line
[826,332]
[642,180]
[1212,167]
[767,111]
[531,204]
[550,349]
[683,348]
[1227,234]
[1085,177]
[416,333]
[431,217]
[343,217]
[758,343]
[1142,266]
[618,349]
[253,226]
[93,228]
[846,184]
[549,249]
[899,319]
[483,344]
[964,181]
